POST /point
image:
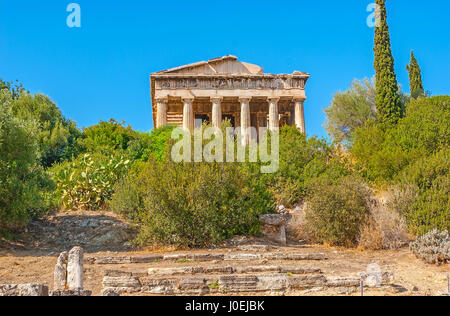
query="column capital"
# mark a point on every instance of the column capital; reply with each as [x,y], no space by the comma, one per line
[299,99]
[216,99]
[162,99]
[273,99]
[244,99]
[187,100]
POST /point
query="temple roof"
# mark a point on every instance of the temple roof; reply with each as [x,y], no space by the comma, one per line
[217,66]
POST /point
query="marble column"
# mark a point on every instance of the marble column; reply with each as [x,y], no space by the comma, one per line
[188,114]
[245,120]
[161,112]
[216,111]
[273,114]
[300,115]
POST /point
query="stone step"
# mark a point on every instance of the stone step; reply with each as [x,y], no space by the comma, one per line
[221,284]
[231,270]
[207,257]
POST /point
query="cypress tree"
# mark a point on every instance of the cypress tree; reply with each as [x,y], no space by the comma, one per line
[415,78]
[387,100]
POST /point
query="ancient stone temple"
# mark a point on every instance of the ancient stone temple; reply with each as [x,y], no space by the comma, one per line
[225,88]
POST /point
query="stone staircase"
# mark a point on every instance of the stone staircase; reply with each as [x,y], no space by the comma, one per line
[258,272]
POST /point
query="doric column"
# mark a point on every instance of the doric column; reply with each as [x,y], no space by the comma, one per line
[188,114]
[161,112]
[300,115]
[273,114]
[216,111]
[245,120]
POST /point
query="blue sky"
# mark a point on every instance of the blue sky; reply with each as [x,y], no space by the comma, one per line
[101,70]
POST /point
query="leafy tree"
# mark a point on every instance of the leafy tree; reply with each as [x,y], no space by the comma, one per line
[15,88]
[23,184]
[415,77]
[107,137]
[387,100]
[57,135]
[350,109]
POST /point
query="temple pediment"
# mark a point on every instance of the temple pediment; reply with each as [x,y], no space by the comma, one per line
[227,65]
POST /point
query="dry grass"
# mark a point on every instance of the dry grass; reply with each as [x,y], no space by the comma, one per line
[296,228]
[386,228]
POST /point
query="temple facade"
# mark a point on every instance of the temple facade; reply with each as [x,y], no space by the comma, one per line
[225,88]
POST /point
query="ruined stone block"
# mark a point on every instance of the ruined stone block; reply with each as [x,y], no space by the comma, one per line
[306,281]
[121,281]
[79,293]
[24,290]
[75,273]
[60,273]
[238,283]
[274,227]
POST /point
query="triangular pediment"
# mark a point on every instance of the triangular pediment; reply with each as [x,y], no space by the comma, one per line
[226,65]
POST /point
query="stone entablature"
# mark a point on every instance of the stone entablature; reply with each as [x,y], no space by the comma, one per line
[227,82]
[227,88]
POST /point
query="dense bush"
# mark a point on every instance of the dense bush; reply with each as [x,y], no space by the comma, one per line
[382,153]
[128,197]
[23,183]
[192,204]
[301,160]
[429,180]
[336,212]
[87,182]
[158,141]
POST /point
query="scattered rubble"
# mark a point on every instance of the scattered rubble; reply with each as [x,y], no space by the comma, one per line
[94,231]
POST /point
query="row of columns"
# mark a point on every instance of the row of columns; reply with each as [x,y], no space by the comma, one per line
[188,113]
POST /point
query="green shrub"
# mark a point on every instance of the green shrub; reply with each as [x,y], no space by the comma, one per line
[127,199]
[158,141]
[193,204]
[24,186]
[430,207]
[87,182]
[301,160]
[383,152]
[336,212]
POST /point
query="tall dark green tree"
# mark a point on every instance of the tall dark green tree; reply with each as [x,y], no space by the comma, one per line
[387,99]
[415,77]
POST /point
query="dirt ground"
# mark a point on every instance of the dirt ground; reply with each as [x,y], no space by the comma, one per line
[412,277]
[32,259]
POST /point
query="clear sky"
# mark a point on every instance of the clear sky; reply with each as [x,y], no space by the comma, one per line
[101,70]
